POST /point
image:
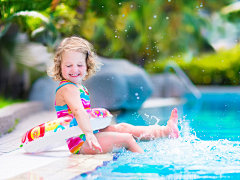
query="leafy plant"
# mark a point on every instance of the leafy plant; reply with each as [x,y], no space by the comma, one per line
[5,102]
[145,30]
[15,123]
[222,68]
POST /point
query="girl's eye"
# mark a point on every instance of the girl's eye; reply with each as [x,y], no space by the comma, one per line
[68,65]
[79,65]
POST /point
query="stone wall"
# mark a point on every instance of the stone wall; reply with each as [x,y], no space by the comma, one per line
[9,114]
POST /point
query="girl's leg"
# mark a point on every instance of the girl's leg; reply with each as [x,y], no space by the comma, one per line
[149,132]
[110,140]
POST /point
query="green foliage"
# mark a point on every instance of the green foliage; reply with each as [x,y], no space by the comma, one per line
[146,29]
[46,20]
[5,102]
[136,30]
[15,123]
[65,19]
[221,68]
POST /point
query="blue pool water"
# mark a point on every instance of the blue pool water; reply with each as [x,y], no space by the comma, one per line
[209,146]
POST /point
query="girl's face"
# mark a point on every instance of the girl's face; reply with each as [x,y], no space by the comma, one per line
[74,66]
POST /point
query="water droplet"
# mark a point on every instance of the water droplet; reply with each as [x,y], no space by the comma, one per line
[120,3]
[131,6]
[150,27]
[169,0]
[138,97]
[153,59]
[123,15]
[167,17]
[201,5]
[155,16]
[125,30]
[179,56]
[157,50]
[197,7]
[136,94]
[115,36]
[146,47]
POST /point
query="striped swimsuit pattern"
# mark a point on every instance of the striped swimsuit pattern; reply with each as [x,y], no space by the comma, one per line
[74,143]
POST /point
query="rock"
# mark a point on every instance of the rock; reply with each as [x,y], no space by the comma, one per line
[119,85]
[168,85]
[44,90]
[12,114]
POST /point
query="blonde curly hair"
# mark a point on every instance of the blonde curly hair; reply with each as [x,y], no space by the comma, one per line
[78,44]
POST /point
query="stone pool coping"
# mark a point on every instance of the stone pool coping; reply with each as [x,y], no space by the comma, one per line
[13,114]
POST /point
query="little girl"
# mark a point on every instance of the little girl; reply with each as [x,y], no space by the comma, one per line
[74,62]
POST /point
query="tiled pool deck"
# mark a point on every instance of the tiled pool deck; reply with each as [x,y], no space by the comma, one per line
[58,163]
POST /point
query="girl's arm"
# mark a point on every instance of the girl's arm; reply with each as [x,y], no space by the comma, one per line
[71,96]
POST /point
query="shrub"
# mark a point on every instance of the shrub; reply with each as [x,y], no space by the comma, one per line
[222,68]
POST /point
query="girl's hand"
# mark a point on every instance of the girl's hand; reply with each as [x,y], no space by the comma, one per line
[93,142]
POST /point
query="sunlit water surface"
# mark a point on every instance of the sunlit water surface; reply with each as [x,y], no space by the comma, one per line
[209,146]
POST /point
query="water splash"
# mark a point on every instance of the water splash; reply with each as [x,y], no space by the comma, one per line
[176,158]
[187,157]
[156,119]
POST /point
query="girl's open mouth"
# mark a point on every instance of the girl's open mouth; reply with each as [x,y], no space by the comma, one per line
[74,75]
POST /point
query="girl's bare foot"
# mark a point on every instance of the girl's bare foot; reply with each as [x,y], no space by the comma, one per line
[173,131]
[168,131]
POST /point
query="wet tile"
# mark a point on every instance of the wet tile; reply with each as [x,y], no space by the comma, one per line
[104,157]
[81,156]
[63,175]
[45,172]
[67,167]
[27,176]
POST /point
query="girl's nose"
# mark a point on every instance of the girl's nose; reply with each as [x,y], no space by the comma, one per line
[74,68]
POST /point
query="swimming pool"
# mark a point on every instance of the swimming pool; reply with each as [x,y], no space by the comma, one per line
[209,146]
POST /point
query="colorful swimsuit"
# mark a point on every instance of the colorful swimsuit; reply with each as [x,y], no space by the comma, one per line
[75,143]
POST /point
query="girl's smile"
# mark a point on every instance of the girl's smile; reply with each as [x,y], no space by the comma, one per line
[74,66]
